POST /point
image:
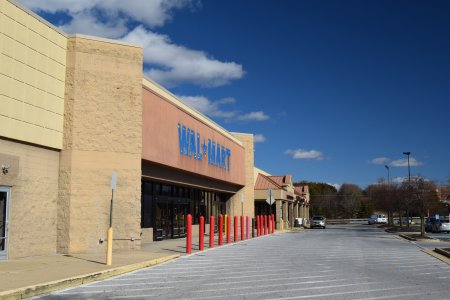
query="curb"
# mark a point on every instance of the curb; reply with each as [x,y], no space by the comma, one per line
[437,255]
[407,237]
[442,252]
[44,288]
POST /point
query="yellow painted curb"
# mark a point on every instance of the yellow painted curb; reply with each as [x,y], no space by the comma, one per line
[437,255]
[44,288]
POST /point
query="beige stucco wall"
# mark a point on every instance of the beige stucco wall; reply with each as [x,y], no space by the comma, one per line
[234,205]
[33,178]
[102,134]
[32,77]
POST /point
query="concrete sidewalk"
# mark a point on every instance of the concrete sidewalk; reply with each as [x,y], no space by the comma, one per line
[32,276]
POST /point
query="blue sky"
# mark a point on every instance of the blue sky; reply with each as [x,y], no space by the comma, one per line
[333,90]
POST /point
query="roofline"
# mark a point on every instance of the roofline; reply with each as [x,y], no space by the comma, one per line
[105,40]
[34,15]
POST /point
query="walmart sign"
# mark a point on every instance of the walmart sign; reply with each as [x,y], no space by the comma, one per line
[192,145]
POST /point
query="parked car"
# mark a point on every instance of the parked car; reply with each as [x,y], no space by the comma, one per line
[437,225]
[319,221]
[377,219]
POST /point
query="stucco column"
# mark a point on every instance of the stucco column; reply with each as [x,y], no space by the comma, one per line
[102,134]
[285,214]
[292,218]
[278,207]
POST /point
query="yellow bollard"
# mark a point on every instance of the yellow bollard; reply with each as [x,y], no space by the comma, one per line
[109,247]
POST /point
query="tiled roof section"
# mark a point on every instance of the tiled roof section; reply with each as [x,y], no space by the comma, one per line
[265,182]
[282,180]
[300,190]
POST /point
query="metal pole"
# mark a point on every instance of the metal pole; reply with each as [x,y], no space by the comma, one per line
[409,172]
[111,208]
[387,167]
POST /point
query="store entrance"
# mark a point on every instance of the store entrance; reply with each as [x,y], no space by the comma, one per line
[4,199]
[170,219]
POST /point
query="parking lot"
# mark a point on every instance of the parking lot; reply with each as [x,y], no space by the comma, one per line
[340,262]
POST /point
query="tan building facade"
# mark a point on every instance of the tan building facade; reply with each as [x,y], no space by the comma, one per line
[290,204]
[74,110]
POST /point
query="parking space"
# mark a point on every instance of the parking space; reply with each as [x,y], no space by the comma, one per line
[340,262]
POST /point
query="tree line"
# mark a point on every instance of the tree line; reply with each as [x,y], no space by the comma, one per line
[416,197]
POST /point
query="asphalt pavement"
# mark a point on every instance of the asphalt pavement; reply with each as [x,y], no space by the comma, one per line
[340,262]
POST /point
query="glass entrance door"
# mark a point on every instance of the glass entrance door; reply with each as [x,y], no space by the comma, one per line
[163,228]
[4,202]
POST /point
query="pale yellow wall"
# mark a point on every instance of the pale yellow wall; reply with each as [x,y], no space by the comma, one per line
[32,77]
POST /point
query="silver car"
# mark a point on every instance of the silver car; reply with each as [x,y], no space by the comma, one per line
[444,226]
[319,221]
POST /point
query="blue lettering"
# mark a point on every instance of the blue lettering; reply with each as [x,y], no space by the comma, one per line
[182,139]
[211,152]
[217,161]
[192,144]
[223,158]
[199,151]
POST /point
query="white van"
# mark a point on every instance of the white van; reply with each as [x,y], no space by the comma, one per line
[377,219]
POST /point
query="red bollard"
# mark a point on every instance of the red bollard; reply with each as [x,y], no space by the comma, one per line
[228,229]
[273,223]
[264,220]
[236,224]
[242,228]
[201,236]
[211,232]
[259,225]
[248,228]
[189,234]
[266,229]
[220,230]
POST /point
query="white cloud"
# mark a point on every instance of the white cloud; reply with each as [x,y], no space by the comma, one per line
[259,138]
[210,108]
[166,62]
[404,162]
[173,64]
[254,116]
[336,185]
[379,160]
[305,154]
[151,13]
[86,23]
[214,109]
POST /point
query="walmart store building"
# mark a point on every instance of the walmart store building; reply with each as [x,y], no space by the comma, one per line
[73,110]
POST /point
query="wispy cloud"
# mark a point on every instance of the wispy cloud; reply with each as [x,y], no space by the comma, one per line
[214,108]
[171,64]
[380,161]
[254,116]
[134,21]
[404,162]
[154,13]
[337,186]
[259,138]
[305,154]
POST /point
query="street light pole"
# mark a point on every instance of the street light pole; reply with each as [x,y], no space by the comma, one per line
[387,167]
[409,169]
